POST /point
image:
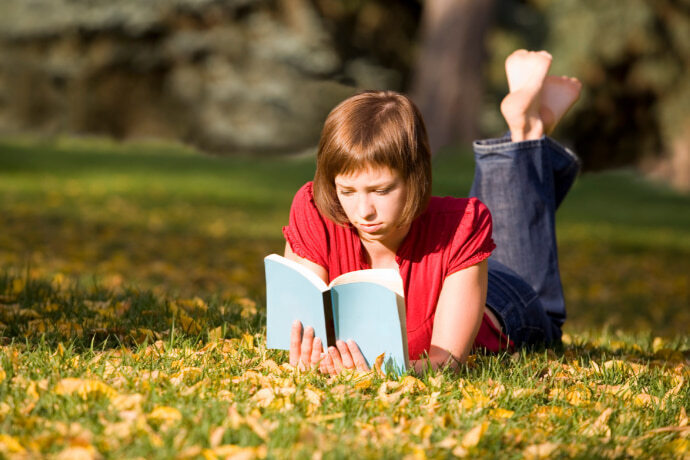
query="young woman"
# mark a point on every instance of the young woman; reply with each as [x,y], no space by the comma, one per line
[369,206]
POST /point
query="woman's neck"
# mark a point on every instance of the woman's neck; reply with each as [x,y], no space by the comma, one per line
[381,253]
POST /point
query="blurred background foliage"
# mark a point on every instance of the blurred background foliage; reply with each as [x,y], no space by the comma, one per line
[234,76]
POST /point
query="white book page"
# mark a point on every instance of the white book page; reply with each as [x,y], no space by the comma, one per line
[386,277]
[307,273]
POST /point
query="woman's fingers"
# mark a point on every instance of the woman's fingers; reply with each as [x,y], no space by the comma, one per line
[316,352]
[345,356]
[295,342]
[328,364]
[306,352]
[357,357]
[337,360]
[307,342]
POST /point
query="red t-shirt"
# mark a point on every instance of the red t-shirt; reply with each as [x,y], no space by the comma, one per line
[452,234]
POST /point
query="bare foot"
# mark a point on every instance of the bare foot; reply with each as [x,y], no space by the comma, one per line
[520,65]
[557,96]
[526,71]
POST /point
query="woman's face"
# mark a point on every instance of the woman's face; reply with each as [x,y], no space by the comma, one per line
[373,200]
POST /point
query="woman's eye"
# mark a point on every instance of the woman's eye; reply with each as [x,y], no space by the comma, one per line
[382,191]
[345,192]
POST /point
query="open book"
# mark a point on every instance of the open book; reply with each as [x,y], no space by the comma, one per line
[367,306]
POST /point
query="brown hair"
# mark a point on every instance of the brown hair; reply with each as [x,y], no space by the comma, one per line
[374,129]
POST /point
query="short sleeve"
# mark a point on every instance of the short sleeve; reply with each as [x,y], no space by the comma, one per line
[307,232]
[472,242]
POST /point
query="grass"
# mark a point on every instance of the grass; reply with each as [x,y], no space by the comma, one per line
[131,314]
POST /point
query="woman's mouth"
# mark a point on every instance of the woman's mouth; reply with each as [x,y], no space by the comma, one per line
[370,228]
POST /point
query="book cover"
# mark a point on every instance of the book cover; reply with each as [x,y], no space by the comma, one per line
[366,306]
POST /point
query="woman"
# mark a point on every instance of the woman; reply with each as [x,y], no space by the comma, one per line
[369,206]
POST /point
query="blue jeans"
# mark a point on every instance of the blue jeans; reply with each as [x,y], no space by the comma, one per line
[522,184]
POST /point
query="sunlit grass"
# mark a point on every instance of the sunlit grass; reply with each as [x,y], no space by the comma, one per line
[131,316]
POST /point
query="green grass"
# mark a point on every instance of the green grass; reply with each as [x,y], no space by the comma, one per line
[137,269]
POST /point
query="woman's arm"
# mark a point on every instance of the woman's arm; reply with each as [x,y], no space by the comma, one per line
[459,314]
[316,268]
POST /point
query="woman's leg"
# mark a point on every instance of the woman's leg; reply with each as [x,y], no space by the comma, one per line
[522,183]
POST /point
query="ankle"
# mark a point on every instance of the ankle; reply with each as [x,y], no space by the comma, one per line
[526,130]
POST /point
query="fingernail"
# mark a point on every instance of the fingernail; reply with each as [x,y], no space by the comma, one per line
[317,340]
[296,322]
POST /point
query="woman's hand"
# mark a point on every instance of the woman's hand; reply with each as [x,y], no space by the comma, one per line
[306,352]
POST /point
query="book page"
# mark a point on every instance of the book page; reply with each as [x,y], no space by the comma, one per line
[291,294]
[374,317]
[386,277]
[308,274]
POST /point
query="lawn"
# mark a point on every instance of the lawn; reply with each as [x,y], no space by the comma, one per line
[131,316]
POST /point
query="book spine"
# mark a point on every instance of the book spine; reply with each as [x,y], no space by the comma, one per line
[328,316]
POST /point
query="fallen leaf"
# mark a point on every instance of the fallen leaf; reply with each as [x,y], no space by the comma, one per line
[85,388]
[501,413]
[10,444]
[472,438]
[600,426]
[539,451]
[164,414]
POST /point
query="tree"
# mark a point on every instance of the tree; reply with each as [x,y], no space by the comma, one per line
[448,78]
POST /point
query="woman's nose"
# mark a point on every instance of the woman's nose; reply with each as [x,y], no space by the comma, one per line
[365,208]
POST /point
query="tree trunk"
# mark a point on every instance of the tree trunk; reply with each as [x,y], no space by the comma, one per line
[448,81]
[680,160]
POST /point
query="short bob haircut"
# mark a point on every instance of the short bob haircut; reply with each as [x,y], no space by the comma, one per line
[369,130]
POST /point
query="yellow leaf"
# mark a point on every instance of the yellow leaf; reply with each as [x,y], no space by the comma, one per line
[127,402]
[524,392]
[17,285]
[420,427]
[165,414]
[264,397]
[447,443]
[216,436]
[233,452]
[84,388]
[378,362]
[645,399]
[363,383]
[539,451]
[473,398]
[460,452]
[248,341]
[215,334]
[189,325]
[10,444]
[657,344]
[248,307]
[262,430]
[600,426]
[327,417]
[472,438]
[680,447]
[501,413]
[3,375]
[313,396]
[78,453]
[186,375]
[412,384]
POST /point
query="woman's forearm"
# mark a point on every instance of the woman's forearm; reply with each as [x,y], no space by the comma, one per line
[437,359]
